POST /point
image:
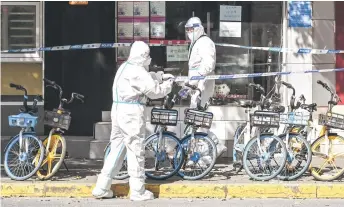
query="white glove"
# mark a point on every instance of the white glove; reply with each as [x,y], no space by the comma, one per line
[194,99]
[156,76]
[182,83]
[168,85]
[167,76]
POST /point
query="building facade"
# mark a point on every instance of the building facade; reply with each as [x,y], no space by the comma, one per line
[91,72]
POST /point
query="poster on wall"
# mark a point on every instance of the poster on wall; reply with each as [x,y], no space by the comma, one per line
[177,53]
[141,9]
[157,9]
[230,13]
[141,31]
[230,29]
[157,30]
[125,30]
[300,14]
[125,9]
[157,19]
[123,53]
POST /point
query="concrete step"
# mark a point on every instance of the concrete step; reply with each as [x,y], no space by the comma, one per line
[106,116]
[77,146]
[102,130]
[97,148]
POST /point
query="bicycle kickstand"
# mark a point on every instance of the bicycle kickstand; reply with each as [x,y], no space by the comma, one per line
[65,165]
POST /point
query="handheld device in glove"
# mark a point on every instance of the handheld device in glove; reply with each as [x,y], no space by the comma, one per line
[183,93]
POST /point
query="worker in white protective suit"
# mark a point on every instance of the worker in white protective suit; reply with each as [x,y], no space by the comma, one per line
[133,84]
[202,60]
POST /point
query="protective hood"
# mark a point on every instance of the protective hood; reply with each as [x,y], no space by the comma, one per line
[139,54]
[194,28]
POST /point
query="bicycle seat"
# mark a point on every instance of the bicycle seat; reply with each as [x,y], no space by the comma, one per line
[247,103]
[310,107]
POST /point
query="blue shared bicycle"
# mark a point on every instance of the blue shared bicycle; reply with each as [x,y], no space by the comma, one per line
[21,151]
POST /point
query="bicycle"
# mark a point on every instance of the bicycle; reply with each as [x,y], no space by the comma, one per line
[254,132]
[55,144]
[196,144]
[164,144]
[21,151]
[298,148]
[323,146]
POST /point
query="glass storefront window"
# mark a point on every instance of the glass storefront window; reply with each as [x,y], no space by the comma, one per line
[260,24]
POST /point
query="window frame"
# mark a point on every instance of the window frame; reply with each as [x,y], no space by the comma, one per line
[27,57]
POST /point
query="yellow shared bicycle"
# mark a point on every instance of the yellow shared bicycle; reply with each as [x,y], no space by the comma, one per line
[55,144]
[328,149]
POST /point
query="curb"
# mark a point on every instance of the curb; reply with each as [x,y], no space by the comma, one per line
[221,191]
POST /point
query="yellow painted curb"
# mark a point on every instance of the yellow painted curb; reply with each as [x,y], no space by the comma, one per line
[272,191]
[330,191]
[188,190]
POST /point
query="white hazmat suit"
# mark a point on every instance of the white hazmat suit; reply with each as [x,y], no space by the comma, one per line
[132,86]
[202,60]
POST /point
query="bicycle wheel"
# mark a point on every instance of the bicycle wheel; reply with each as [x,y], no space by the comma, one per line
[21,165]
[238,147]
[161,165]
[299,157]
[272,148]
[204,156]
[53,161]
[123,172]
[331,167]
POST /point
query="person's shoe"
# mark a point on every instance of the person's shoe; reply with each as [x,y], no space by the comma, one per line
[100,193]
[147,195]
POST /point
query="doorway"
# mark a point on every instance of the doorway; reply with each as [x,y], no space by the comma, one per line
[89,72]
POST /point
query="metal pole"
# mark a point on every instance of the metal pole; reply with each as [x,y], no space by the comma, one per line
[284,45]
[208,23]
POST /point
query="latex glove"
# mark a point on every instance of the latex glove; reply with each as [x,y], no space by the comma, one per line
[168,85]
[156,76]
[167,76]
[194,99]
[160,73]
[182,83]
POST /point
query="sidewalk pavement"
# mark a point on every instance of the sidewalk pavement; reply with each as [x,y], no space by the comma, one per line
[221,183]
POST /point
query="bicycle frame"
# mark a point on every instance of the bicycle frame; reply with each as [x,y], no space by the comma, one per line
[247,133]
[27,109]
[311,129]
[60,108]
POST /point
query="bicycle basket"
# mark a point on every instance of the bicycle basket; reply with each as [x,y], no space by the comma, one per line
[332,120]
[265,119]
[57,119]
[166,117]
[22,120]
[198,118]
[295,118]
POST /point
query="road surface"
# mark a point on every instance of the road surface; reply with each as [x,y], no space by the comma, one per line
[73,202]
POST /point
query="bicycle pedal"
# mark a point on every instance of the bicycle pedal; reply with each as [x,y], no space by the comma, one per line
[239,170]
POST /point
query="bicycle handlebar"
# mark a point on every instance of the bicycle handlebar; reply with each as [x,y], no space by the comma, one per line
[37,98]
[335,99]
[257,86]
[288,85]
[62,101]
[193,88]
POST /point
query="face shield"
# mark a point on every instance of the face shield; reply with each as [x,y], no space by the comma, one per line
[194,31]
